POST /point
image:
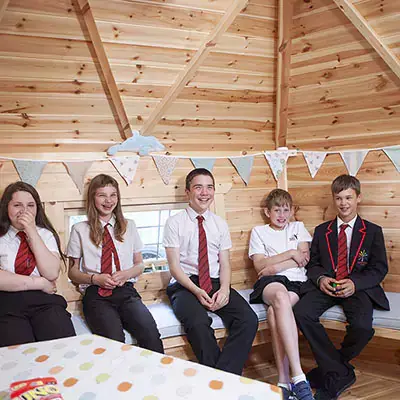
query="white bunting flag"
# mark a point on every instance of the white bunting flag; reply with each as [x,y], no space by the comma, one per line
[126,167]
[165,166]
[394,154]
[29,171]
[353,160]
[243,166]
[314,160]
[77,172]
[207,163]
[277,161]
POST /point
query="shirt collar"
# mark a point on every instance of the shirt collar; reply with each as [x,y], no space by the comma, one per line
[193,214]
[112,222]
[350,223]
[12,232]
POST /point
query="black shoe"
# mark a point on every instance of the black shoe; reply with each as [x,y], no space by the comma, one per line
[323,394]
[336,384]
[315,378]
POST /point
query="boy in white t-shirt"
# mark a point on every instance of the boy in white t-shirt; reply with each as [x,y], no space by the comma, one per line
[280,251]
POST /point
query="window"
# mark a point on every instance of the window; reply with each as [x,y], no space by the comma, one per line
[150,221]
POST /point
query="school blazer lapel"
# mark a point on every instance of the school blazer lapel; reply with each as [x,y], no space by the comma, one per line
[331,242]
[357,240]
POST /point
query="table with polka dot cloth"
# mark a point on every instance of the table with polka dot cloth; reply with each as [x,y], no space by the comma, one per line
[90,367]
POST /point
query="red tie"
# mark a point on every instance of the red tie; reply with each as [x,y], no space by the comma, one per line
[107,252]
[341,271]
[204,268]
[25,261]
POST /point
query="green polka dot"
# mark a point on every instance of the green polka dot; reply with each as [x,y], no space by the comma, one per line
[102,378]
[86,342]
[30,350]
[86,366]
[151,397]
[145,353]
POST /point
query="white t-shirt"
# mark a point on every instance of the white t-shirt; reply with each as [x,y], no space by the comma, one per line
[270,242]
[80,246]
[182,231]
[9,245]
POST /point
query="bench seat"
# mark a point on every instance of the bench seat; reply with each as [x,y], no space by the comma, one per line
[169,326]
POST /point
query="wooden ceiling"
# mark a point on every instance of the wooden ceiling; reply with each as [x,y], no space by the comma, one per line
[200,75]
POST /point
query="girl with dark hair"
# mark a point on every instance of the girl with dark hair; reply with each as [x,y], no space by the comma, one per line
[29,266]
[105,259]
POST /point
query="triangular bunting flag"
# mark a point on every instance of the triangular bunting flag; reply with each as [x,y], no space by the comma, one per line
[394,154]
[29,171]
[165,166]
[207,163]
[277,161]
[77,172]
[353,160]
[314,160]
[243,166]
[126,166]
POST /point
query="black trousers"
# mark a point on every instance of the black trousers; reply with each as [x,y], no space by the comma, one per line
[32,316]
[358,309]
[237,315]
[108,316]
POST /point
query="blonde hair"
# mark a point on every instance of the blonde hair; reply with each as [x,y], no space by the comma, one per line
[278,197]
[96,230]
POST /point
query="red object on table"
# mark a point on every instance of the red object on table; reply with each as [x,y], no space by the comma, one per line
[43,388]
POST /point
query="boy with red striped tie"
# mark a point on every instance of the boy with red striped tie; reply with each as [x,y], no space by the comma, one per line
[347,264]
[197,244]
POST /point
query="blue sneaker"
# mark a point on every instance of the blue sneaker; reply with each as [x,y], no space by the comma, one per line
[287,394]
[302,391]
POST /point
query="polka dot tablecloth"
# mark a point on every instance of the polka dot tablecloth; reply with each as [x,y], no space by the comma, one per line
[90,367]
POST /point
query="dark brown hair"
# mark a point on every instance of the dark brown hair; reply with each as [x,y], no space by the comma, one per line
[41,219]
[278,197]
[344,182]
[96,230]
[196,172]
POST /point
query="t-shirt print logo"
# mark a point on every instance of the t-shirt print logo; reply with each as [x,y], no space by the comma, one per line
[293,237]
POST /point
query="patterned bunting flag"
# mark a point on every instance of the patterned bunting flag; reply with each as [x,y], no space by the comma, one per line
[243,166]
[165,166]
[126,167]
[353,160]
[394,154]
[29,171]
[314,160]
[207,163]
[277,161]
[77,172]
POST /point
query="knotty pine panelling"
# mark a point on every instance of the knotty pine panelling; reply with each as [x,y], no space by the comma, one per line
[52,99]
[380,189]
[342,94]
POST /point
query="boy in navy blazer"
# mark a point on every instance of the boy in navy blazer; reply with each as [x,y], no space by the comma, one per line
[347,265]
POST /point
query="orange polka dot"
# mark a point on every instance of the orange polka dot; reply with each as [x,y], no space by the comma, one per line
[124,386]
[167,360]
[275,389]
[190,372]
[216,385]
[55,370]
[126,347]
[70,382]
[99,350]
[13,347]
[42,358]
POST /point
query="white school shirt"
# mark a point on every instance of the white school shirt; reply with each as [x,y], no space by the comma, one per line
[182,231]
[9,245]
[270,242]
[80,246]
[348,231]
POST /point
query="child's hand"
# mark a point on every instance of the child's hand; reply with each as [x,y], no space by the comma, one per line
[220,299]
[204,299]
[345,288]
[266,271]
[120,277]
[105,281]
[47,286]
[325,285]
[27,221]
[301,257]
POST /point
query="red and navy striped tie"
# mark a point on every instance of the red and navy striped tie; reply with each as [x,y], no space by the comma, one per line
[107,253]
[204,268]
[25,261]
[341,271]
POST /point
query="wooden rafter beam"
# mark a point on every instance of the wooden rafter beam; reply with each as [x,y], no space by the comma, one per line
[370,35]
[104,69]
[285,13]
[3,6]
[187,73]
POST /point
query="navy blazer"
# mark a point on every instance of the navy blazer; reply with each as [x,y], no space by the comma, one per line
[367,262]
